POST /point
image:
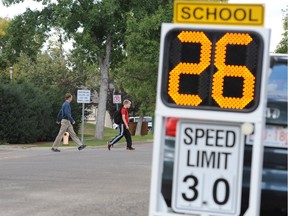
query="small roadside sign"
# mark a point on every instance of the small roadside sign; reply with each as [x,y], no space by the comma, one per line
[83,96]
[219,14]
[116,99]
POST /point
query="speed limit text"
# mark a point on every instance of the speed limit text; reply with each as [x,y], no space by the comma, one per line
[215,142]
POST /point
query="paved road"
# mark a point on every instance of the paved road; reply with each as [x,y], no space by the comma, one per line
[95,181]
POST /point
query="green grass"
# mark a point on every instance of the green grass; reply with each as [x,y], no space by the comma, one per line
[89,139]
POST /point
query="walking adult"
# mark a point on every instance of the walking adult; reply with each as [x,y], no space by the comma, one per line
[123,128]
[65,118]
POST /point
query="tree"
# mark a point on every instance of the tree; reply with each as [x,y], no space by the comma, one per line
[103,27]
[4,24]
[282,47]
[142,47]
[98,28]
[143,42]
[27,33]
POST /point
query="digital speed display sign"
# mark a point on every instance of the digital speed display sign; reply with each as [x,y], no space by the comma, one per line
[212,69]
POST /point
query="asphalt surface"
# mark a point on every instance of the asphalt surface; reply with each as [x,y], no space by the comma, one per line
[94,181]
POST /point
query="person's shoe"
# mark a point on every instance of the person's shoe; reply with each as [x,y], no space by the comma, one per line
[55,150]
[81,147]
[130,148]
[109,145]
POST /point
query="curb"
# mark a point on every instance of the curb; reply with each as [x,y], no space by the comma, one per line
[31,146]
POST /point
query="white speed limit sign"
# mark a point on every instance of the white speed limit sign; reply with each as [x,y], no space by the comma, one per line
[208,162]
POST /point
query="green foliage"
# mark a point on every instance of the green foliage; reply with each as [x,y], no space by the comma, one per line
[118,36]
[26,35]
[25,114]
[28,113]
[50,69]
[282,47]
[4,24]
[49,79]
[143,41]
[90,23]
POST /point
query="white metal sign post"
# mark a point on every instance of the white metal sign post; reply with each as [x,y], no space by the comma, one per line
[212,80]
[83,96]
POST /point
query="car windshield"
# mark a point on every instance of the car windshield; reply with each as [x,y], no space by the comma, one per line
[145,119]
[277,84]
[148,119]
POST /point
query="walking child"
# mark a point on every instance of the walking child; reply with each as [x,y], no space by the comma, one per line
[123,128]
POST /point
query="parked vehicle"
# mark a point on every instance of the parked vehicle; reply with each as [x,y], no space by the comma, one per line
[145,119]
[136,119]
[274,176]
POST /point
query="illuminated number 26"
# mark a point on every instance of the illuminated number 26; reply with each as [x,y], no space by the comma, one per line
[221,70]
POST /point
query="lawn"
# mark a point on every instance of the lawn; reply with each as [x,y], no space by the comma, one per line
[109,133]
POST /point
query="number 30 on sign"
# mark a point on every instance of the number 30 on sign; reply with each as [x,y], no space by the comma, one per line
[212,69]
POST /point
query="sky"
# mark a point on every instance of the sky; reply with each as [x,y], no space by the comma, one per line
[273,14]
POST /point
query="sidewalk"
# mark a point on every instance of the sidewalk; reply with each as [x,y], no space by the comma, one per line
[62,146]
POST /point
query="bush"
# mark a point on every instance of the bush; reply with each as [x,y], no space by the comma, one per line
[28,113]
[22,108]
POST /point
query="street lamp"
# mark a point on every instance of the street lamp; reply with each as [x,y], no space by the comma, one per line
[11,72]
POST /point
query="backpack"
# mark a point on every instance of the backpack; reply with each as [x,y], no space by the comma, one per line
[117,117]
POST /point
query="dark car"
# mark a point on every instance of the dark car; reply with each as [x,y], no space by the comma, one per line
[274,176]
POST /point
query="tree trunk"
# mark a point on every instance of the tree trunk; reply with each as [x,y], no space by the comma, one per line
[101,112]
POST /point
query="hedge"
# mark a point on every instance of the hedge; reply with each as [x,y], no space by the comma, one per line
[28,113]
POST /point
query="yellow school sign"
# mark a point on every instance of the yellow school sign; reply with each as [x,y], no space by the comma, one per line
[218,13]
